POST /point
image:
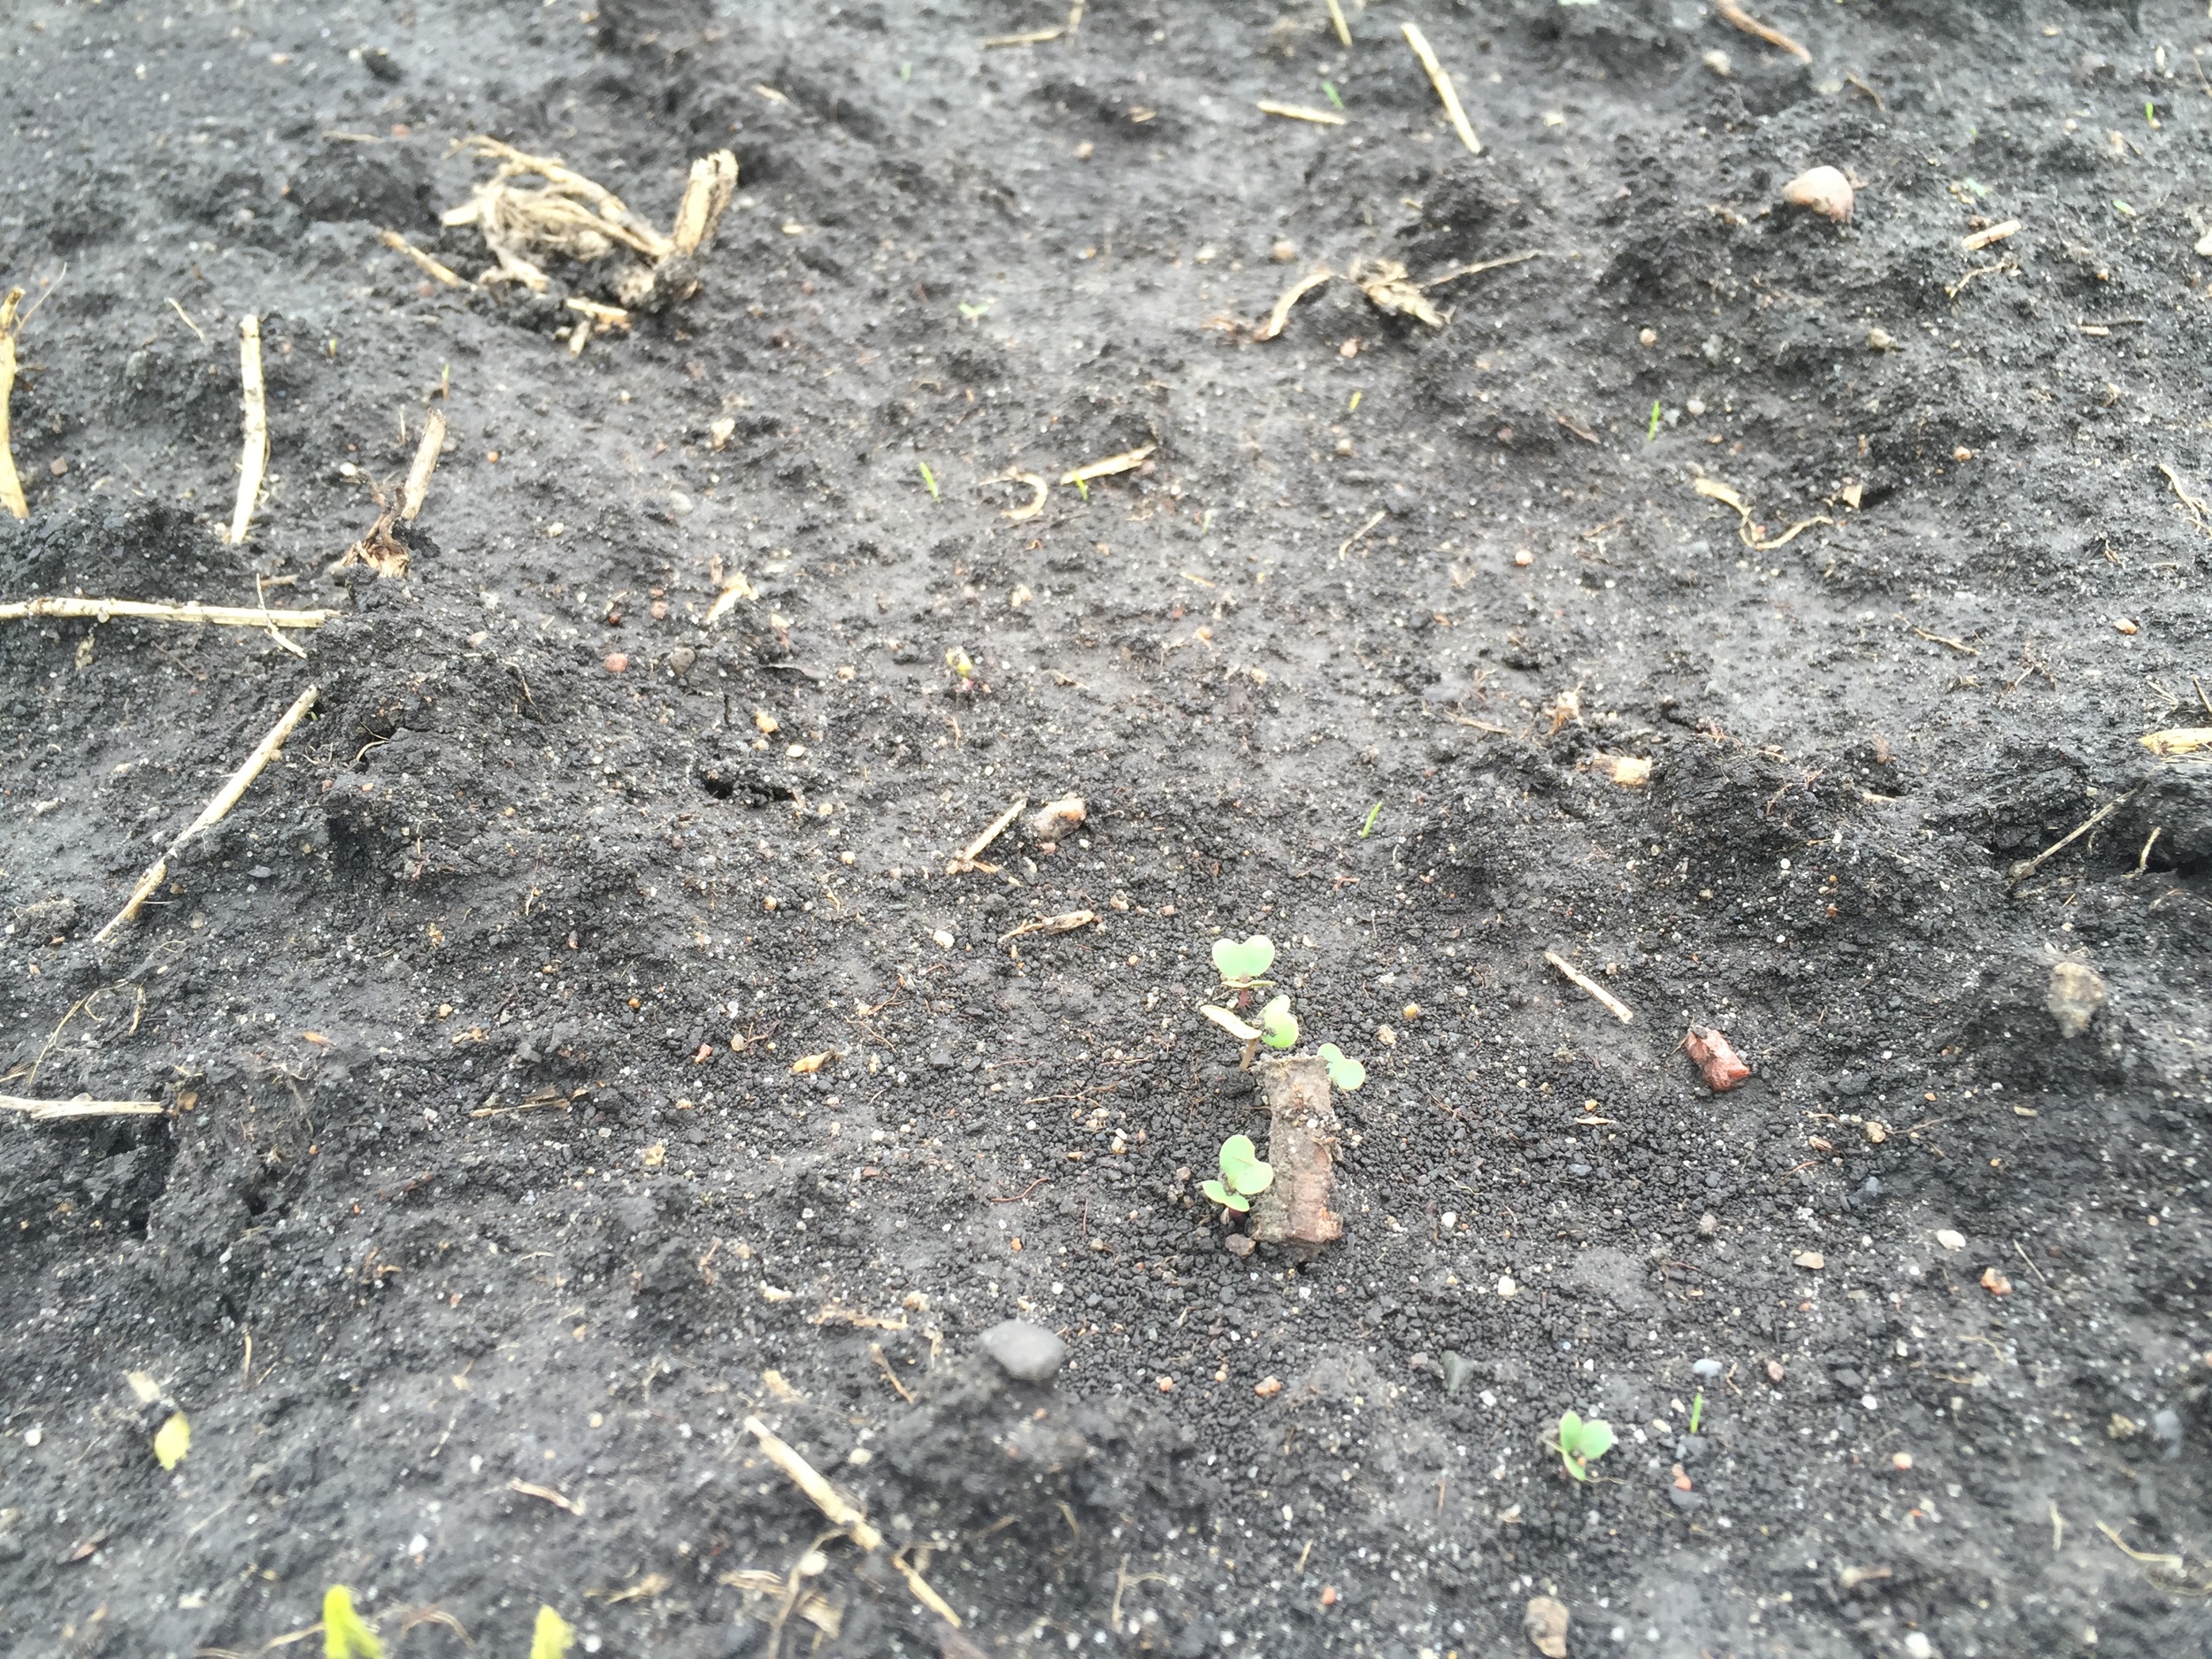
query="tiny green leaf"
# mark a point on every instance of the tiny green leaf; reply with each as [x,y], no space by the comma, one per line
[553,1636]
[1373,812]
[1652,432]
[172,1440]
[1230,1023]
[1243,1167]
[1241,965]
[1596,1439]
[1569,1428]
[1227,1199]
[1344,1072]
[344,1635]
[971,312]
[1334,98]
[1279,1026]
[1697,1411]
[929,478]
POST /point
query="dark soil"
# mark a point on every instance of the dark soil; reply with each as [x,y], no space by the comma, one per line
[487,1157]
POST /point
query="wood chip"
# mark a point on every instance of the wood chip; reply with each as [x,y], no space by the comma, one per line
[1981,239]
[254,459]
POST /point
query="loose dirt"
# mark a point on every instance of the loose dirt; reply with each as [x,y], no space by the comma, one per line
[575,1045]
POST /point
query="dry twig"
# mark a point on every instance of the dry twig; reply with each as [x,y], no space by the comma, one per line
[417,485]
[2027,867]
[1280,314]
[1441,79]
[254,459]
[1730,12]
[429,266]
[1745,528]
[1457,272]
[221,616]
[228,796]
[1300,112]
[1064,924]
[80,1106]
[1611,1003]
[970,857]
[841,1510]
[11,486]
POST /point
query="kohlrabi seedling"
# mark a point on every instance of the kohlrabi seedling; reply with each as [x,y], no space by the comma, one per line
[1244,1175]
[1580,1441]
[1241,965]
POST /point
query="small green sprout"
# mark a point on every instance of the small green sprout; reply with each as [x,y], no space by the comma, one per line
[1579,1442]
[1652,431]
[1344,1072]
[344,1635]
[1081,488]
[1244,1175]
[1241,965]
[906,72]
[552,1637]
[929,480]
[1697,1411]
[1329,87]
[1279,1026]
[973,312]
[2150,111]
[1373,812]
[962,664]
[2122,208]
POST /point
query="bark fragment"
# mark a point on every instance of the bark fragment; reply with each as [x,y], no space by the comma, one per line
[1301,1142]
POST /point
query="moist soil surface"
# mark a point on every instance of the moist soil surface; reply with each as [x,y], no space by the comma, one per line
[576,1044]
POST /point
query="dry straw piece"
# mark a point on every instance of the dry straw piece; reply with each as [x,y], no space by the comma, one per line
[1280,314]
[11,486]
[1730,12]
[107,609]
[81,1106]
[228,796]
[1441,79]
[254,459]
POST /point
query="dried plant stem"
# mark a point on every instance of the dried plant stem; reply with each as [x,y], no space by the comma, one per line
[1613,1004]
[429,265]
[841,1510]
[82,1106]
[1730,12]
[970,856]
[1440,79]
[214,812]
[221,616]
[418,485]
[255,458]
[11,486]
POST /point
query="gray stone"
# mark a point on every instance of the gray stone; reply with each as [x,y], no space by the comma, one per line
[1455,1369]
[1025,1352]
[1707,1369]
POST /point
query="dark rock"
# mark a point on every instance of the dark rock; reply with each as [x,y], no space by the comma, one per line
[1027,1353]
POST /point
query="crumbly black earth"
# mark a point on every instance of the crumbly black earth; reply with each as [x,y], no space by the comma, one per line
[487,1160]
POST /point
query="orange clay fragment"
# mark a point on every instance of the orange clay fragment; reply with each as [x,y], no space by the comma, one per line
[1723,1066]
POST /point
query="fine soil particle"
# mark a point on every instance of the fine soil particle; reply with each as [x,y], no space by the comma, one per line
[574,1044]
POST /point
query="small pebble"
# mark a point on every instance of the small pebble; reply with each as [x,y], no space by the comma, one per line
[33,1435]
[1775,1374]
[1027,1353]
[943,939]
[1708,1225]
[1995,1283]
[1506,1287]
[1949,1240]
[1267,1389]
[1811,1261]
[617,662]
[1901,1460]
[1707,1369]
[1917,1646]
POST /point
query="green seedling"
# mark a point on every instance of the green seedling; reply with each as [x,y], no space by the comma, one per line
[1652,431]
[1368,828]
[1241,965]
[1244,1175]
[2150,111]
[1580,1442]
[1081,488]
[929,480]
[1697,1411]
[1344,1072]
[552,1637]
[344,1635]
[962,664]
[1329,89]
[2122,208]
[975,311]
